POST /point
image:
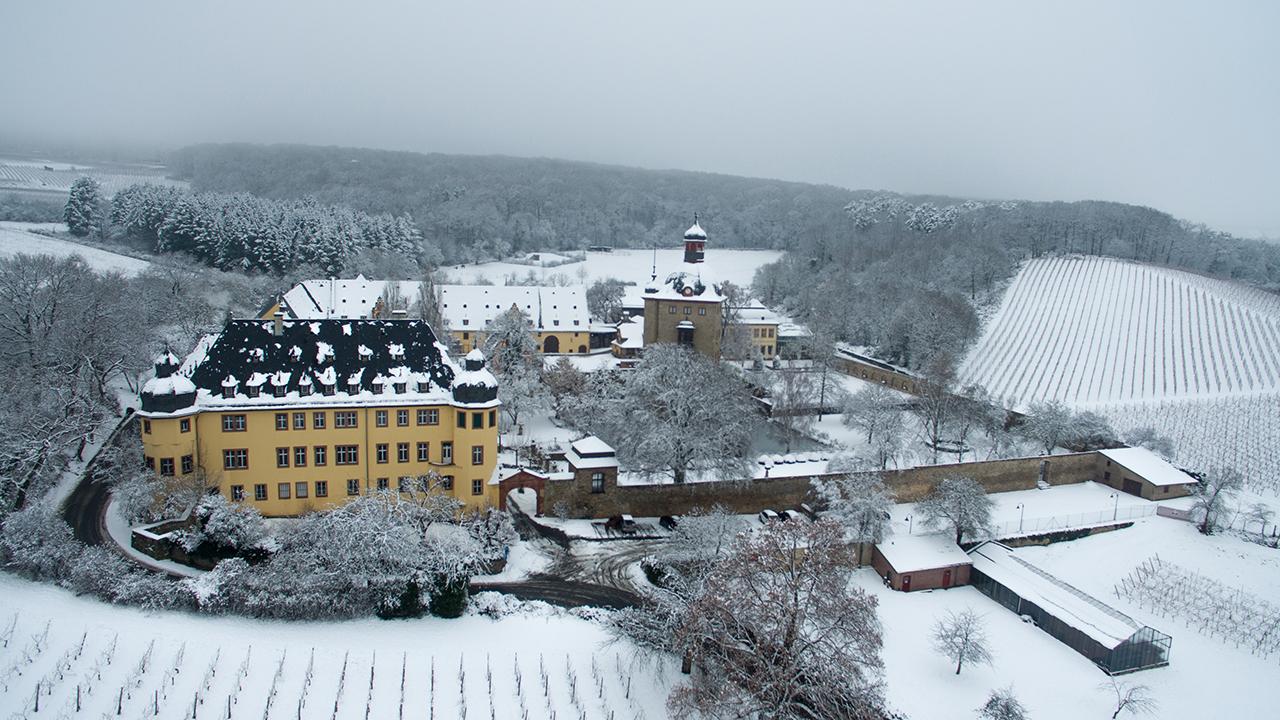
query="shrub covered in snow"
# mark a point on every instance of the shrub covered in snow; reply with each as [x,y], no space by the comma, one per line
[226,526]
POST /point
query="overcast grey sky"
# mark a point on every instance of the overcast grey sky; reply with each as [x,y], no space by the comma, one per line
[1167,104]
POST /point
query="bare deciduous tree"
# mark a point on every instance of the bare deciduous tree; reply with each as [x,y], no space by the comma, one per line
[959,504]
[1002,705]
[777,631]
[678,412]
[960,637]
[861,503]
[1217,487]
[1130,698]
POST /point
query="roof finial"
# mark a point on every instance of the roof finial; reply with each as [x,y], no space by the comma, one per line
[654,275]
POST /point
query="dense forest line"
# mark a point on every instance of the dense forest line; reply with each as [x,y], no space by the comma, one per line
[477,208]
[905,275]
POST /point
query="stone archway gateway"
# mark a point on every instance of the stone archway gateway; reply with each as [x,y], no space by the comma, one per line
[551,344]
[522,479]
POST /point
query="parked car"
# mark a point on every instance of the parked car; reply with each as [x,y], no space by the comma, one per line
[804,508]
[792,515]
[667,522]
[768,516]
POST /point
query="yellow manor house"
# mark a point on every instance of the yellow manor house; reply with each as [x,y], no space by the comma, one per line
[294,416]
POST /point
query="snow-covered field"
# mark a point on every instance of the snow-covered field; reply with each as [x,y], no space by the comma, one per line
[15,240]
[736,266]
[133,664]
[545,660]
[1195,357]
[47,176]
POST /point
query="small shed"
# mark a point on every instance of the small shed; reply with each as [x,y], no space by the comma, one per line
[921,562]
[1115,642]
[1138,471]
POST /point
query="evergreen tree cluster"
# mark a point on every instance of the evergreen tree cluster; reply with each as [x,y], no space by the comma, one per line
[243,232]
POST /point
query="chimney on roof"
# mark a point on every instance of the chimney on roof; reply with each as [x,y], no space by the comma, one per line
[277,327]
[399,314]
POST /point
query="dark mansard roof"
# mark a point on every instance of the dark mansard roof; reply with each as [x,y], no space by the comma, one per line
[362,360]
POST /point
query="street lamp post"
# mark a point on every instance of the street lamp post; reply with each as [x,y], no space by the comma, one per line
[1115,510]
[1022,510]
[909,524]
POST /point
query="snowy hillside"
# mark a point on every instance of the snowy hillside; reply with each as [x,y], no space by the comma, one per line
[1091,329]
[14,239]
[1194,357]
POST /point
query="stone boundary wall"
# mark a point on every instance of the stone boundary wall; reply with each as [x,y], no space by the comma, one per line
[751,496]
[874,373]
[913,484]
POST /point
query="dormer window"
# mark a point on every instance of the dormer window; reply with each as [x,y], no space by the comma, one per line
[253,390]
[330,389]
[279,390]
[424,386]
[228,391]
[304,389]
[466,321]
[402,387]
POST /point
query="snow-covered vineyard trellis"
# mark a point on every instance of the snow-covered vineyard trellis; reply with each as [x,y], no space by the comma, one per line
[1229,614]
[1145,346]
[56,672]
[1246,432]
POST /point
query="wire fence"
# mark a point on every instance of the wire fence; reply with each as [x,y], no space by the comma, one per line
[1229,614]
[1056,523]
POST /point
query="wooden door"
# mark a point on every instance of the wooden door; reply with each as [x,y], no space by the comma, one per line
[946,578]
[906,583]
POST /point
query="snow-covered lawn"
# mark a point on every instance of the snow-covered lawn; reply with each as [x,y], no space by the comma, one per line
[1056,508]
[15,241]
[549,662]
[736,266]
[1205,678]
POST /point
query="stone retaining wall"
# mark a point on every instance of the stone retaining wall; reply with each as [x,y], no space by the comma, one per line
[574,495]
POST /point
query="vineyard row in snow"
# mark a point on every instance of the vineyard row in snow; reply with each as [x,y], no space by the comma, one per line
[1091,329]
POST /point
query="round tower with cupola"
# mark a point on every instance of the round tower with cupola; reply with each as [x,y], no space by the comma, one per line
[695,243]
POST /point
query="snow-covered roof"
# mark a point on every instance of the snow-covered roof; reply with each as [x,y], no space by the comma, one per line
[1107,626]
[695,232]
[1148,466]
[341,298]
[474,307]
[631,333]
[171,385]
[589,453]
[379,362]
[691,282]
[591,445]
[913,553]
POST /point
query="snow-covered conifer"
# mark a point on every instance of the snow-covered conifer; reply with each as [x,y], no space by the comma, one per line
[83,212]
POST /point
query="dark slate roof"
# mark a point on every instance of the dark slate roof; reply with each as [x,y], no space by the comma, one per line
[246,347]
